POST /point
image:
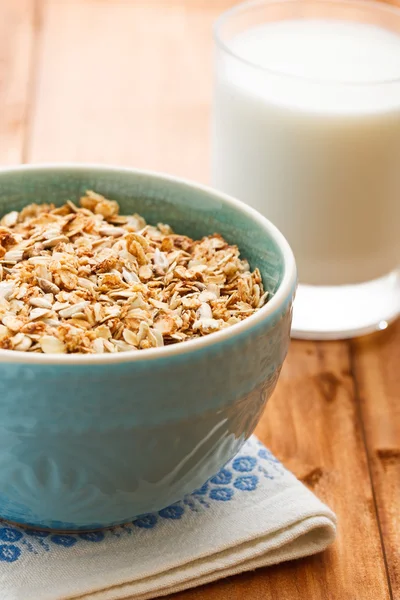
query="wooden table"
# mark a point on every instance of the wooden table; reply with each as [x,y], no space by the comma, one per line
[129,82]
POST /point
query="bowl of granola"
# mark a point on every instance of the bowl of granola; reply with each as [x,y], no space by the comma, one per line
[144,321]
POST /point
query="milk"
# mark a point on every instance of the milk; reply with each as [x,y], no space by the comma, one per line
[312,140]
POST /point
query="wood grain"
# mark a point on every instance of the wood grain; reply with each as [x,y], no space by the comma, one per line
[125,82]
[17,52]
[376,364]
[129,82]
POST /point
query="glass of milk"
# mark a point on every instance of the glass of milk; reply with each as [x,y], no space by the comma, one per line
[306,129]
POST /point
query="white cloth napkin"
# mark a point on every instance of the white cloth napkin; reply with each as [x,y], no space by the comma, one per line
[252,514]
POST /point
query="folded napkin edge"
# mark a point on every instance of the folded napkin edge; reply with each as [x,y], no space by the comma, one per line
[238,559]
[314,516]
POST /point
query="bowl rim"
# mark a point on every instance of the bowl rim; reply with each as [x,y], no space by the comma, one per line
[284,292]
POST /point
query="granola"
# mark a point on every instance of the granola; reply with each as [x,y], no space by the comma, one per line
[85,279]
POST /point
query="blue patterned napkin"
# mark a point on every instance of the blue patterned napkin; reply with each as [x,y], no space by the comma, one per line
[252,514]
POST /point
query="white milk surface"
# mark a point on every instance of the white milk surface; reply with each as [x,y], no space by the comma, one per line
[312,140]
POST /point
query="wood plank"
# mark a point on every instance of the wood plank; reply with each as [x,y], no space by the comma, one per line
[313,424]
[376,363]
[126,83]
[17,52]
[130,82]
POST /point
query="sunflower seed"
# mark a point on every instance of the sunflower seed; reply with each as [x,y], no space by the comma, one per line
[65,313]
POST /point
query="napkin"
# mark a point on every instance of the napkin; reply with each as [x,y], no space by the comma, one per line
[253,513]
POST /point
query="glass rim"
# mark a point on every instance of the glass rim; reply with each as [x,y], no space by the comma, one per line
[242,7]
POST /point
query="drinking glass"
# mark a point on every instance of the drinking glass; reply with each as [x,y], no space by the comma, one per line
[316,148]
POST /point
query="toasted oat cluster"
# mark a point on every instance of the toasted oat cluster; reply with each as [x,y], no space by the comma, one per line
[89,280]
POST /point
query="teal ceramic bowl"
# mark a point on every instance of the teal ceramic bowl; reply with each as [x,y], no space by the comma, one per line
[92,441]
